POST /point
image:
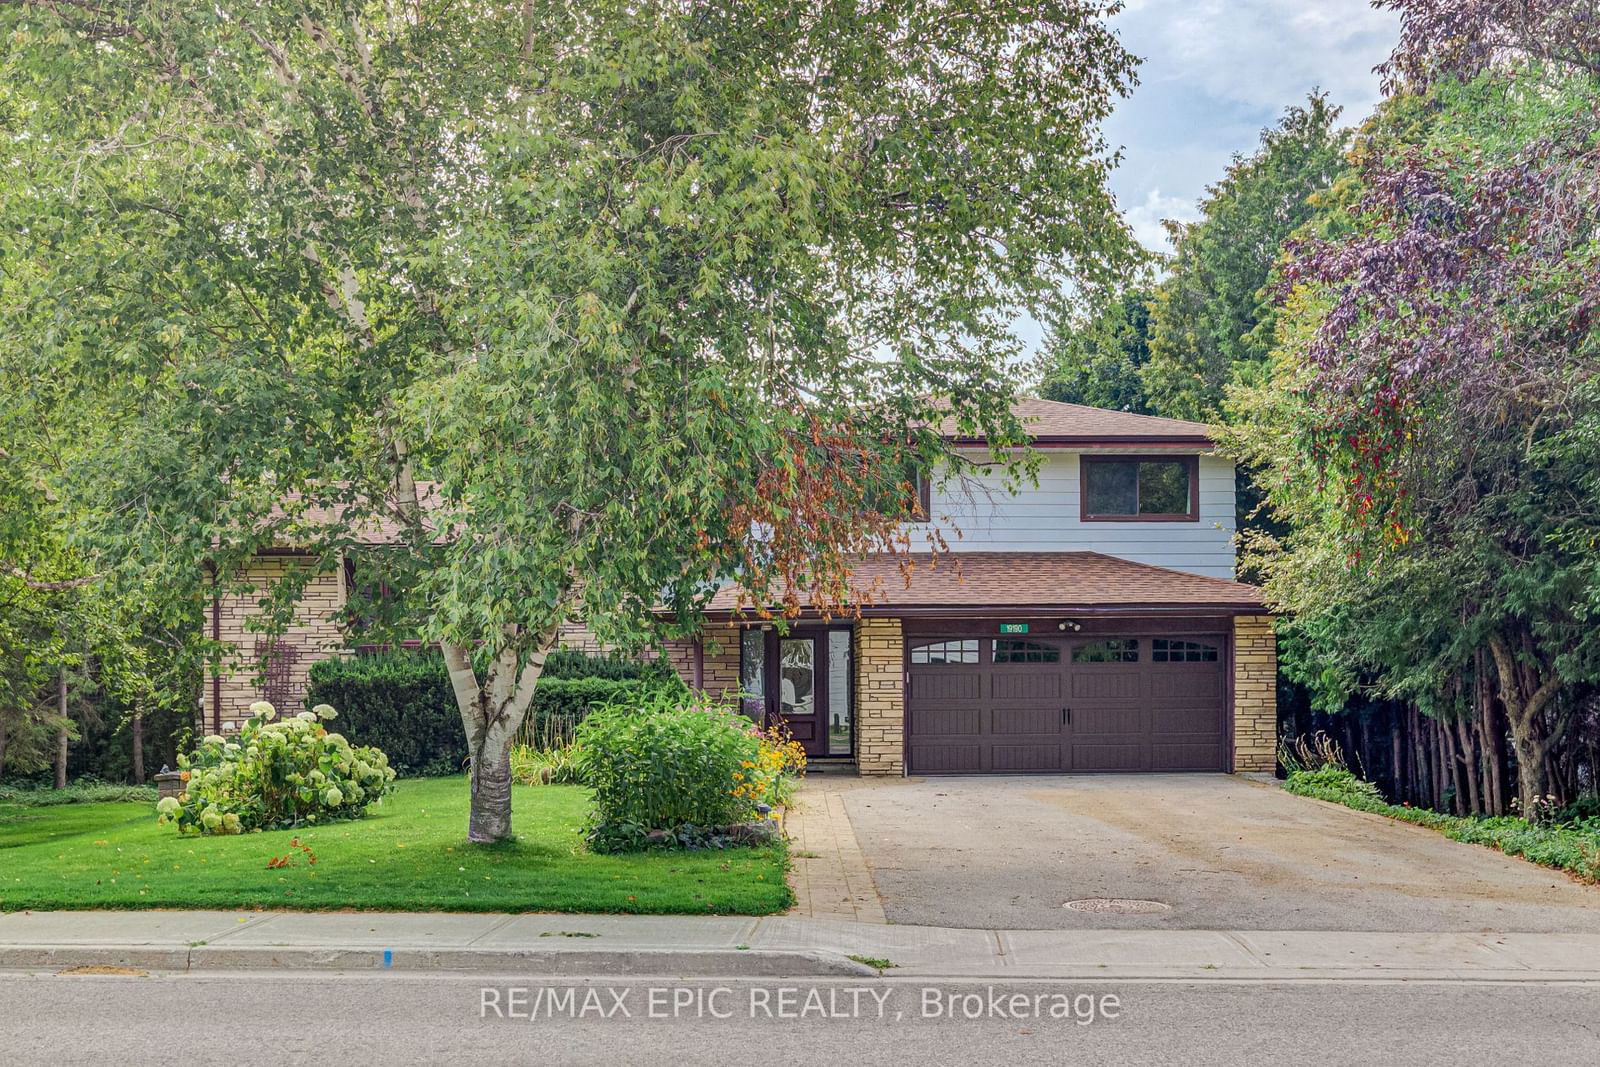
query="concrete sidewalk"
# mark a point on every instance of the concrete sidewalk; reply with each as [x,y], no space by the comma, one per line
[775,946]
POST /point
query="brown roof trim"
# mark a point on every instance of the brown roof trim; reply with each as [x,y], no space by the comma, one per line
[1096,440]
[1011,611]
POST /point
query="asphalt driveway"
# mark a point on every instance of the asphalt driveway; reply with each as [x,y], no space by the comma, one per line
[1225,853]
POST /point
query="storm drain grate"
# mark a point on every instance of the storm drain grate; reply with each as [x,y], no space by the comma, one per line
[1117,905]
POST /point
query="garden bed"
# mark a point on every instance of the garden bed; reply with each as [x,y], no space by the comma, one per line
[409,854]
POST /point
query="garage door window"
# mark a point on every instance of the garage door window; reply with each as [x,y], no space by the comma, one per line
[946,652]
[1163,650]
[1006,651]
[1115,650]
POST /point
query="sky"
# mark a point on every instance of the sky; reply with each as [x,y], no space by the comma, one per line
[1214,73]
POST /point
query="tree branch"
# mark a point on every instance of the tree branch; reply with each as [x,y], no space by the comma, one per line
[57,586]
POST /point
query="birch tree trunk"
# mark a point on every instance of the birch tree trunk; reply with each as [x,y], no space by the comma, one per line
[492,711]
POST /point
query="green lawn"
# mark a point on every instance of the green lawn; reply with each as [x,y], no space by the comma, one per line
[409,854]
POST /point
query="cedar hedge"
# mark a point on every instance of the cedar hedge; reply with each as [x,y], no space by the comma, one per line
[401,701]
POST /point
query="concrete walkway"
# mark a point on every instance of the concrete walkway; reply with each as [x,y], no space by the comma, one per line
[776,946]
[828,872]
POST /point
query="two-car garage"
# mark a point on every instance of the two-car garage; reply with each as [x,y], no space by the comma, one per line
[988,704]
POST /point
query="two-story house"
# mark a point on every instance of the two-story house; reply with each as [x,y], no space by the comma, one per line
[1090,623]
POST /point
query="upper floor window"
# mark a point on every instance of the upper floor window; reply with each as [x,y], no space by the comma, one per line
[921,503]
[1139,488]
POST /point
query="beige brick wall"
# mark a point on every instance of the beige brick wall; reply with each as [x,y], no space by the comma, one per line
[720,680]
[880,697]
[576,636]
[312,636]
[1255,694]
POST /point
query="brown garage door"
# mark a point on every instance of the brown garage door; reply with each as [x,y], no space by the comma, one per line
[988,705]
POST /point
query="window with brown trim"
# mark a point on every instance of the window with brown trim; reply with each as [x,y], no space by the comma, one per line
[1139,488]
[922,496]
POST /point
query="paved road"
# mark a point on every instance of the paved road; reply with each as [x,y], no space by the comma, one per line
[396,1019]
[1225,852]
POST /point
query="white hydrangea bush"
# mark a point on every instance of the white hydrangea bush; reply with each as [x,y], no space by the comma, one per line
[276,774]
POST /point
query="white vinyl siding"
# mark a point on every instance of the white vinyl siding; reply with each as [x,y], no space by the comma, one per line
[1046,519]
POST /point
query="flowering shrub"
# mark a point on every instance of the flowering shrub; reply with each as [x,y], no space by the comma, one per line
[275,775]
[780,761]
[666,769]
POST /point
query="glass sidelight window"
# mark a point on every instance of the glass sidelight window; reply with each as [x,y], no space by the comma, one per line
[839,717]
[753,673]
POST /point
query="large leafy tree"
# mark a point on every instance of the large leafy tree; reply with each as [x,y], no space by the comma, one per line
[80,642]
[1431,439]
[1096,355]
[1211,318]
[591,306]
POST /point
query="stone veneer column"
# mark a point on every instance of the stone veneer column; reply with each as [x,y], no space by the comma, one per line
[1255,694]
[880,697]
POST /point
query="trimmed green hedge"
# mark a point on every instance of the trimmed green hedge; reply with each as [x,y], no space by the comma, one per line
[401,702]
[567,663]
[1566,847]
[83,791]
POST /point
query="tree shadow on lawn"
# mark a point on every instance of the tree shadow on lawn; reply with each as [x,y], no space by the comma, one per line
[22,825]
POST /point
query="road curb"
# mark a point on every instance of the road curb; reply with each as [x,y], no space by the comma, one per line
[664,963]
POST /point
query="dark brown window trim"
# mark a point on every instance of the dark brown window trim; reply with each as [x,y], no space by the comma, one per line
[1097,440]
[922,508]
[1192,462]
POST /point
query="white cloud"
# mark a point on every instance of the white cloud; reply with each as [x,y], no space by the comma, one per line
[1214,73]
[1145,219]
[1261,53]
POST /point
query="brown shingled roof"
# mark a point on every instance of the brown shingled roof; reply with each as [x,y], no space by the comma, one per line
[972,583]
[1052,422]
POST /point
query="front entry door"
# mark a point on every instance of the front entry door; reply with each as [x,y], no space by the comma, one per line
[801,695]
